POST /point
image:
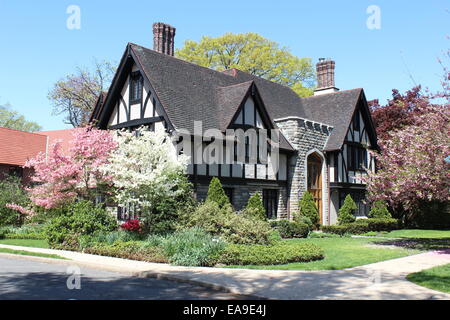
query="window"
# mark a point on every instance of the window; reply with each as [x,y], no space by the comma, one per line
[16,172]
[362,208]
[356,158]
[136,88]
[270,201]
[229,193]
[356,125]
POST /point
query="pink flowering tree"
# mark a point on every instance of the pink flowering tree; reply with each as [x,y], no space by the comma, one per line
[61,176]
[414,163]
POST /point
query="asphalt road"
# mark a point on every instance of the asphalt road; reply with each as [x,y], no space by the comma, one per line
[26,279]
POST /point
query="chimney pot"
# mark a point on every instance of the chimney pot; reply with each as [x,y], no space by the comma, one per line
[325,76]
[163,38]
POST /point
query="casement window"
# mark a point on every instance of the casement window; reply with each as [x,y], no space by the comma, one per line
[136,84]
[356,158]
[270,201]
[16,172]
[356,125]
[362,208]
[229,193]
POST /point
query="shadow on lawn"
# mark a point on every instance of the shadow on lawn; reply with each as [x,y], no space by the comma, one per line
[419,244]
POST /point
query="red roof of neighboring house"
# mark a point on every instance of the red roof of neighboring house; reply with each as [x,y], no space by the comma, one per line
[16,147]
[64,136]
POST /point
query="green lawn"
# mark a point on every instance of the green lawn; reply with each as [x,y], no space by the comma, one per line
[25,243]
[437,278]
[341,253]
[415,234]
[28,253]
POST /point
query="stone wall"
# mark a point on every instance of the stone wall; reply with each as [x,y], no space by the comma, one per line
[306,137]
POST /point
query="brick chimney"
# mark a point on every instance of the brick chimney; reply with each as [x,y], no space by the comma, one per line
[325,77]
[163,38]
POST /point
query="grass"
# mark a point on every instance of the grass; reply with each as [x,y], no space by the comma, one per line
[28,253]
[25,243]
[413,234]
[437,278]
[341,253]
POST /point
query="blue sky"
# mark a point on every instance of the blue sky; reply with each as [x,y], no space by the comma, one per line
[37,49]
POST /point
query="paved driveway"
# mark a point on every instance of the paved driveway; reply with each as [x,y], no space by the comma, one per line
[27,279]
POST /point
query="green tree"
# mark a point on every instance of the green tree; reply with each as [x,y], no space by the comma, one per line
[345,214]
[217,194]
[255,207]
[308,212]
[11,192]
[379,210]
[13,120]
[252,53]
[75,95]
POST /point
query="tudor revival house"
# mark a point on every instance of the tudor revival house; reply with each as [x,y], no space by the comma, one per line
[324,140]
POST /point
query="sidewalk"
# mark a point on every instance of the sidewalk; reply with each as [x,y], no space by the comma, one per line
[382,280]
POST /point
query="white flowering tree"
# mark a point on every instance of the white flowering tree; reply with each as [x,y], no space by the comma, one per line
[147,174]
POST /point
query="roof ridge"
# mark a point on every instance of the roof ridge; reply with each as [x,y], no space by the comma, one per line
[327,94]
[181,60]
[17,130]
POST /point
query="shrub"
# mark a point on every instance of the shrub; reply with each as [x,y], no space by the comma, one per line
[132,225]
[379,210]
[191,247]
[163,217]
[270,255]
[128,250]
[80,218]
[345,214]
[225,223]
[11,192]
[290,229]
[307,209]
[255,207]
[28,231]
[362,226]
[217,194]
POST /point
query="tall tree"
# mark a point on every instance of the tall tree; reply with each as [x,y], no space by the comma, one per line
[75,95]
[12,119]
[254,54]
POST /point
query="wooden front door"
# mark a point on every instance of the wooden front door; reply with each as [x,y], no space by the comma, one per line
[315,181]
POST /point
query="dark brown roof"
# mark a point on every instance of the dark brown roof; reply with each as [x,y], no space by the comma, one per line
[189,93]
[333,109]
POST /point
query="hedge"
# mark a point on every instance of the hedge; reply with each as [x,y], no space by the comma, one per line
[128,250]
[363,226]
[235,254]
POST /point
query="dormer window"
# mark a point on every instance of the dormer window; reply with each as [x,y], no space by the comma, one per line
[136,84]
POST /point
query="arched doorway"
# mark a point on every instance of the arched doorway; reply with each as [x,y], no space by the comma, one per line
[315,180]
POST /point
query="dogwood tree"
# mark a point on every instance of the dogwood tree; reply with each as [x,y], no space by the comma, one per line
[61,176]
[414,165]
[145,170]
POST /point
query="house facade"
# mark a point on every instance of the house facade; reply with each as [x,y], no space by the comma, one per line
[318,144]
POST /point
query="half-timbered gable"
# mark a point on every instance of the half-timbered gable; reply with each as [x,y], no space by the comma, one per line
[322,146]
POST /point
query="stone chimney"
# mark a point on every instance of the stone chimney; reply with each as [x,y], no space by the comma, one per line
[163,38]
[325,77]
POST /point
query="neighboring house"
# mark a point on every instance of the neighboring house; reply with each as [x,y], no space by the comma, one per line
[324,140]
[17,147]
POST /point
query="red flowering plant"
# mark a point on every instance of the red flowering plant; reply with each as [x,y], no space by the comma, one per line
[132,225]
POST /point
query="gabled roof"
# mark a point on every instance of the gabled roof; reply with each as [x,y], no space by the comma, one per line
[189,93]
[334,109]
